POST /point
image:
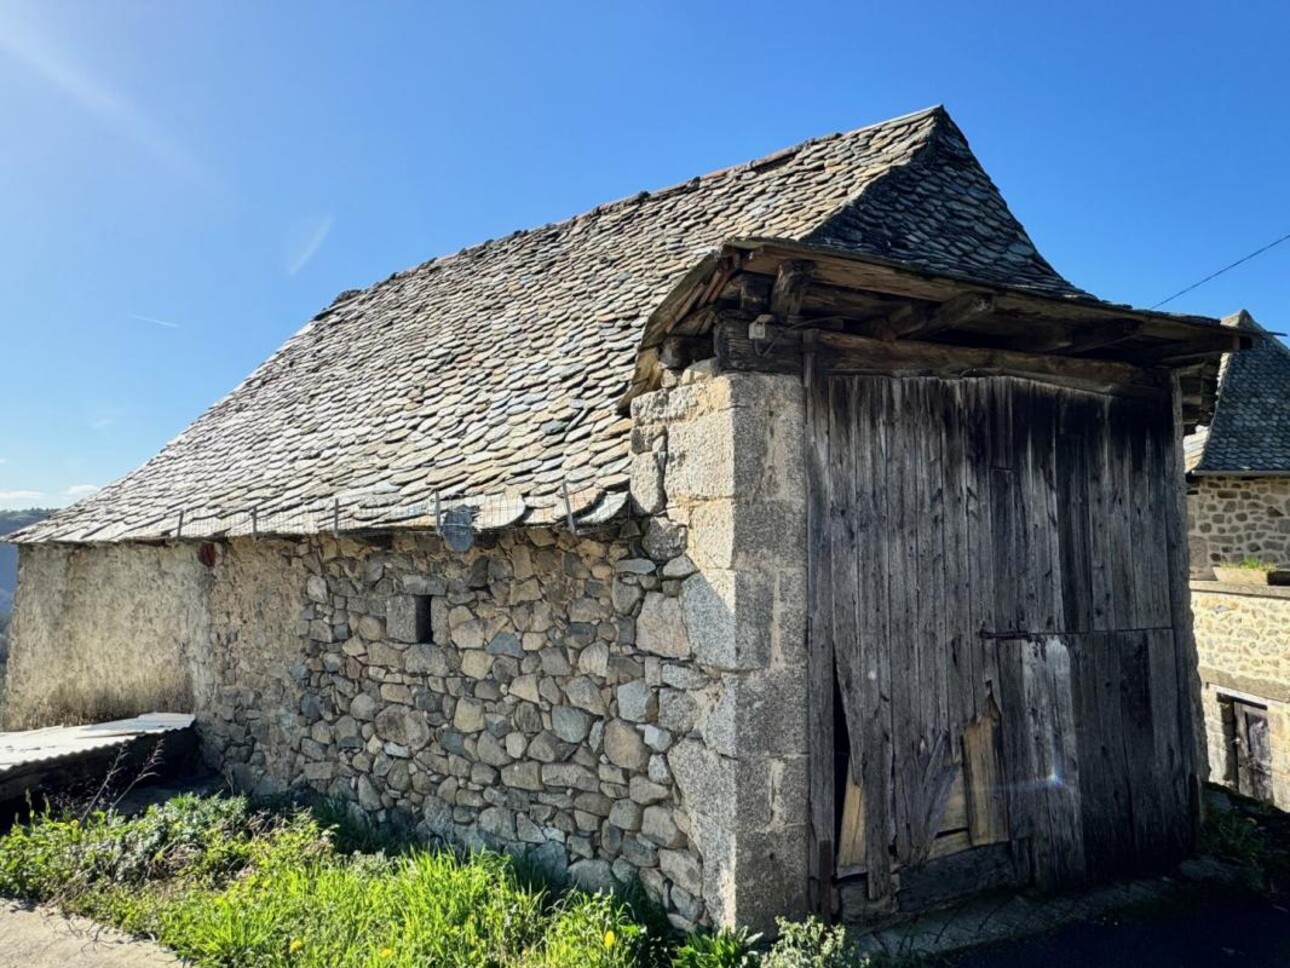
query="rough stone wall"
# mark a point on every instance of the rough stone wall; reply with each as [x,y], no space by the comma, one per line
[93,639]
[523,711]
[624,704]
[1243,643]
[1234,518]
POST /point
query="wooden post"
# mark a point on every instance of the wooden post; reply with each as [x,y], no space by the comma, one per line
[438,514]
[179,528]
[255,523]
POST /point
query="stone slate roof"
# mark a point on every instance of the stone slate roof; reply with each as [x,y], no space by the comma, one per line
[496,371]
[1250,432]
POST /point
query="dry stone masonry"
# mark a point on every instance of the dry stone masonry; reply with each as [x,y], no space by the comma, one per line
[1242,646]
[501,698]
[1234,518]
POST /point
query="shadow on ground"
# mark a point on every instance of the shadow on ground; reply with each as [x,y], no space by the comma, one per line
[1249,931]
[1236,911]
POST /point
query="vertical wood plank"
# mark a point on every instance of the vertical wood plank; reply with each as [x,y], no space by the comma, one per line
[1029,508]
[878,563]
[1157,430]
[1188,684]
[903,596]
[983,781]
[1048,683]
[1020,779]
[1101,762]
[1073,456]
[1100,510]
[844,530]
[982,547]
[962,643]
[1120,455]
[1172,778]
[852,836]
[935,743]
[1143,781]
[820,662]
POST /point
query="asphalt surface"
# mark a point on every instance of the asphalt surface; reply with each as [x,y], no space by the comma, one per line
[1244,931]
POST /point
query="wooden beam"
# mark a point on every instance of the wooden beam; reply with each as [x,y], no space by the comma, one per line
[1102,335]
[790,289]
[1072,339]
[754,293]
[872,274]
[902,319]
[1176,355]
[847,353]
[678,352]
[951,313]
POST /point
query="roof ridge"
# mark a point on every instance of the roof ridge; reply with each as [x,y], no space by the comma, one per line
[1244,319]
[753,164]
[937,110]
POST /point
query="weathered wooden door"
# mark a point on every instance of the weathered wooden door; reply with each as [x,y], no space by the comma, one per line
[990,576]
[1253,752]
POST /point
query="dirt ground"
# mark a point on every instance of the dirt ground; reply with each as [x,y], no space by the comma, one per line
[42,938]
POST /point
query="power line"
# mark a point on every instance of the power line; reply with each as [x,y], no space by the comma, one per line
[1214,275]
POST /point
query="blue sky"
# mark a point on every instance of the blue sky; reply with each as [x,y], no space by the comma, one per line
[185,184]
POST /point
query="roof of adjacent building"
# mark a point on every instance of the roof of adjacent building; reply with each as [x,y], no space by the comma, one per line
[496,371]
[1250,430]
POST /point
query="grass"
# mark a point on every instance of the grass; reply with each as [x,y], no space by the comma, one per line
[1251,563]
[224,882]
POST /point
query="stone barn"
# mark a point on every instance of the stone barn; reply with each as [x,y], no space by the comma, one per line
[794,538]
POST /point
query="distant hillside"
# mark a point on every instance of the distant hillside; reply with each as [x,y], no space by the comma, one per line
[12,521]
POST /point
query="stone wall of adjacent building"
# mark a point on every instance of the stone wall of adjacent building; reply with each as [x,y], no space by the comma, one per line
[1243,644]
[1234,518]
[91,641]
[623,704]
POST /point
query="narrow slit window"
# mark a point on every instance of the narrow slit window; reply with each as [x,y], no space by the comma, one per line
[421,623]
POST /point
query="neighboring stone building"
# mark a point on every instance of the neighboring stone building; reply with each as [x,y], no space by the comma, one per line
[1239,509]
[728,537]
[1238,467]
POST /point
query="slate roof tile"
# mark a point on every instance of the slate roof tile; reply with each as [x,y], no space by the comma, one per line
[1250,431]
[496,371]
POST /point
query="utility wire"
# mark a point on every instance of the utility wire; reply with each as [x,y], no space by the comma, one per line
[1214,275]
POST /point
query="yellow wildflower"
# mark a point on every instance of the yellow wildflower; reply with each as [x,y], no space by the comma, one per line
[386,952]
[296,945]
[610,938]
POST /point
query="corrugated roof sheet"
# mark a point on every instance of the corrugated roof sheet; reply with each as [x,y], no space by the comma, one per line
[496,370]
[29,747]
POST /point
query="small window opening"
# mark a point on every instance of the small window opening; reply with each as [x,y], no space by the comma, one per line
[421,618]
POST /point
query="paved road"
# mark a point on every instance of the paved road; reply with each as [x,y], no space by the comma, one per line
[40,938]
[1243,932]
